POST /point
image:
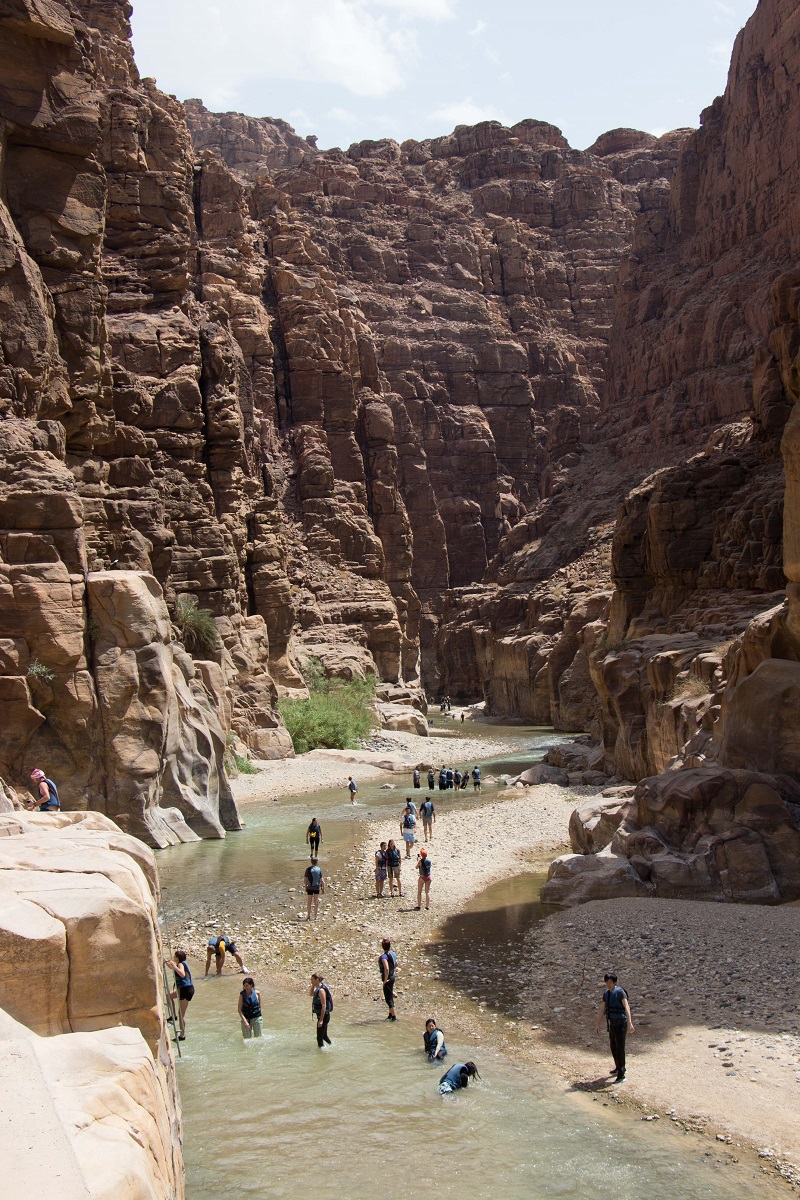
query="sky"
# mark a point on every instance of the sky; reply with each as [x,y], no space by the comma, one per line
[347,70]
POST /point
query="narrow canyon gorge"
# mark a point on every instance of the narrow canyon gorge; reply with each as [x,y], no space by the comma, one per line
[481,415]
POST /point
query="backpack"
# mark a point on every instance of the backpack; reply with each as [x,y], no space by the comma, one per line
[408,821]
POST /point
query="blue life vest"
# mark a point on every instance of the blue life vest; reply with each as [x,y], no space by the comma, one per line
[186,981]
[457,1076]
[251,1008]
[425,868]
[391,960]
[615,1009]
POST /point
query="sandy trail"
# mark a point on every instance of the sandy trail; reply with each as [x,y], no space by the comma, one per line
[694,970]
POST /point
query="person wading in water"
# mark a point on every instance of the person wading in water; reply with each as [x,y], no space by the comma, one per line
[617,1012]
[321,1007]
[315,886]
[184,988]
[250,1009]
[387,964]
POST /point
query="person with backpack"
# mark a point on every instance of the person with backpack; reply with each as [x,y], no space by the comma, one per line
[408,825]
[315,886]
[250,1009]
[314,837]
[393,864]
[433,1039]
[387,965]
[476,779]
[47,793]
[184,988]
[322,1008]
[431,779]
[617,1012]
[428,814]
[424,881]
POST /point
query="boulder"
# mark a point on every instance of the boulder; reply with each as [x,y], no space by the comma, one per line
[577,878]
[402,718]
[543,773]
[593,825]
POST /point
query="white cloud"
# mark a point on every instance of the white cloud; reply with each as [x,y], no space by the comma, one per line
[425,10]
[477,29]
[354,44]
[343,115]
[493,57]
[466,112]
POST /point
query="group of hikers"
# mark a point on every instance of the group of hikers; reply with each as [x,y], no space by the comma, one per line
[251,1014]
[449,778]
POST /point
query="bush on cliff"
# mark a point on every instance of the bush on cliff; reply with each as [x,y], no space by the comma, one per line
[336,714]
[198,630]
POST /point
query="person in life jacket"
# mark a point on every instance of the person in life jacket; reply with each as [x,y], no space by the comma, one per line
[387,965]
[184,988]
[424,881]
[250,1009]
[321,1007]
[476,779]
[408,825]
[381,870]
[617,1012]
[457,1077]
[433,1039]
[47,793]
[393,865]
[417,778]
[219,947]
[314,836]
[428,813]
[431,778]
[315,886]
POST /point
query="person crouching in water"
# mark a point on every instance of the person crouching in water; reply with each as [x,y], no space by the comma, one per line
[457,1077]
[184,988]
[434,1041]
[250,1009]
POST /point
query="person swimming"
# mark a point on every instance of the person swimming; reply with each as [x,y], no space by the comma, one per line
[457,1077]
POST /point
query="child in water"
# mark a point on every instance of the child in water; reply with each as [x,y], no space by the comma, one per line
[457,1077]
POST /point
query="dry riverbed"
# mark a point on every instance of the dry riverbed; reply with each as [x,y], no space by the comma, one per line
[713,987]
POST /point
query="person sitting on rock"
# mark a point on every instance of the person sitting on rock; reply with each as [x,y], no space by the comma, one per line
[47,798]
[219,947]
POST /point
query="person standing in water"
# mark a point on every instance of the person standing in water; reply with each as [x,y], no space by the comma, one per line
[219,947]
[387,964]
[431,779]
[314,836]
[417,778]
[617,1012]
[352,788]
[184,988]
[433,1039]
[424,881]
[314,884]
[46,793]
[380,870]
[250,1009]
[321,1007]
[428,814]
[476,779]
[464,779]
[393,865]
[457,1077]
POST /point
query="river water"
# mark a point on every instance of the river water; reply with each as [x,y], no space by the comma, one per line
[277,1117]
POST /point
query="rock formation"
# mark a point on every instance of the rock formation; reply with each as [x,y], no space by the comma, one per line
[90,1087]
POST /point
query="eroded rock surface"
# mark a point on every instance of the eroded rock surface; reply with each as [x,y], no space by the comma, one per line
[87,1054]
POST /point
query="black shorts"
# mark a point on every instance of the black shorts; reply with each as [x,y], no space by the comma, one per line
[312,891]
[186,993]
[231,949]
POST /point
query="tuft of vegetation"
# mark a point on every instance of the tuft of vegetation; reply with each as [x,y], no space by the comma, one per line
[38,671]
[691,688]
[198,630]
[243,765]
[93,629]
[604,645]
[336,715]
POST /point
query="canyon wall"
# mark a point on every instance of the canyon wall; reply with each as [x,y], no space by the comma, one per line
[90,1097]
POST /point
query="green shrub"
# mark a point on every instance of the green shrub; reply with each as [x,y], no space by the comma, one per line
[37,670]
[198,631]
[243,765]
[335,715]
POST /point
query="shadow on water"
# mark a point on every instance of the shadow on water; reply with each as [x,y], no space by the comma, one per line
[477,951]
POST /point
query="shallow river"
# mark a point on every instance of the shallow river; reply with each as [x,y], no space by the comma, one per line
[278,1117]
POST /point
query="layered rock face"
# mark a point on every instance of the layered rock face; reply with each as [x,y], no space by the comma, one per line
[91,1092]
